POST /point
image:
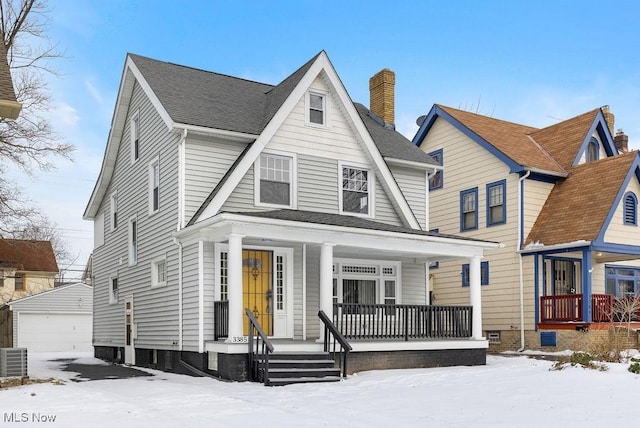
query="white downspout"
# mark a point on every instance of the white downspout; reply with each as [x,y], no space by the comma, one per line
[520,233]
[181,179]
[179,244]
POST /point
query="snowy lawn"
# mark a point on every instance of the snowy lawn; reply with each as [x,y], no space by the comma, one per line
[513,391]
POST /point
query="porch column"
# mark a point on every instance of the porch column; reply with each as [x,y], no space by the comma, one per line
[475,297]
[586,286]
[234,284]
[326,282]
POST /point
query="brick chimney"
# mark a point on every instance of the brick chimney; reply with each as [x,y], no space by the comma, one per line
[621,140]
[609,117]
[382,95]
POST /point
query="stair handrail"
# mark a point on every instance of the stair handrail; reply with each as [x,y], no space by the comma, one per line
[345,348]
[258,366]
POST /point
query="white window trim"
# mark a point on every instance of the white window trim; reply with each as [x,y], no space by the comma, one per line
[325,108]
[112,222]
[132,135]
[379,277]
[371,185]
[154,271]
[293,185]
[133,253]
[113,301]
[154,162]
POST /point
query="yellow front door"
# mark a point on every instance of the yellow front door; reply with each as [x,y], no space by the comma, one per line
[257,288]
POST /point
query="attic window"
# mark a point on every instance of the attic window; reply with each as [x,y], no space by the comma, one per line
[435,181]
[316,108]
[592,151]
[630,209]
[135,136]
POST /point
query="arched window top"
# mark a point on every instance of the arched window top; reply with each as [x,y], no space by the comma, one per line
[630,209]
[593,150]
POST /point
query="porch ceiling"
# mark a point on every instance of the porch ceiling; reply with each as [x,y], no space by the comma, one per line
[386,241]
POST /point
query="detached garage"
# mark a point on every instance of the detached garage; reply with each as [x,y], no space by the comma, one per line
[56,320]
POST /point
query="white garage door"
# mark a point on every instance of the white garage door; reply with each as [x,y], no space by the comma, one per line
[55,332]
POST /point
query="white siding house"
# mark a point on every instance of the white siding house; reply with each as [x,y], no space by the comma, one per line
[286,200]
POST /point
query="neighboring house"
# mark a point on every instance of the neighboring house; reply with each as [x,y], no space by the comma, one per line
[564,202]
[56,320]
[9,107]
[218,194]
[26,267]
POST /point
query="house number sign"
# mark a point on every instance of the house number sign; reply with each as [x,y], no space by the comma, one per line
[239,339]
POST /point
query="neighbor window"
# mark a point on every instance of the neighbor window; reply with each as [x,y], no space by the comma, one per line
[20,282]
[154,186]
[484,274]
[593,151]
[469,209]
[114,210]
[135,136]
[159,272]
[275,180]
[356,191]
[496,207]
[113,290]
[1,278]
[630,209]
[435,182]
[317,108]
[133,241]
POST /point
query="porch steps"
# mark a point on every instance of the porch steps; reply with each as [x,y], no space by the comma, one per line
[287,368]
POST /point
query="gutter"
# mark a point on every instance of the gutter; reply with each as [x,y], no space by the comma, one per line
[520,239]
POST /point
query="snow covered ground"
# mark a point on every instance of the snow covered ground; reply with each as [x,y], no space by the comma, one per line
[510,391]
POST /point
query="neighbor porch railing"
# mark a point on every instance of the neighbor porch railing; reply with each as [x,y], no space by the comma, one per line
[568,308]
[220,319]
[378,321]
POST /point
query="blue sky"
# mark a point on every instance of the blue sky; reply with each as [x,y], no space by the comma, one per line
[531,62]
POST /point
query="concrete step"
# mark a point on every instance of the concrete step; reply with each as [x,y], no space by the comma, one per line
[293,380]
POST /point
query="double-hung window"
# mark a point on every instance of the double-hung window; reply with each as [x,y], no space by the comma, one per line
[154,186]
[20,282]
[630,214]
[113,289]
[275,180]
[496,207]
[159,272]
[316,108]
[469,209]
[357,188]
[484,274]
[133,241]
[436,180]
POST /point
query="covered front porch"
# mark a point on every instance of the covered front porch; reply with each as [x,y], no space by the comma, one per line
[370,279]
[579,285]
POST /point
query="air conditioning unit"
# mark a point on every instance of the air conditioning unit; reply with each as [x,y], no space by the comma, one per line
[13,362]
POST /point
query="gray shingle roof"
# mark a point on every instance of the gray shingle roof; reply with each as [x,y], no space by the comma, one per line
[203,98]
[391,143]
[344,221]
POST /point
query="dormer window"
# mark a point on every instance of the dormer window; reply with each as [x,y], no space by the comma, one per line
[593,151]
